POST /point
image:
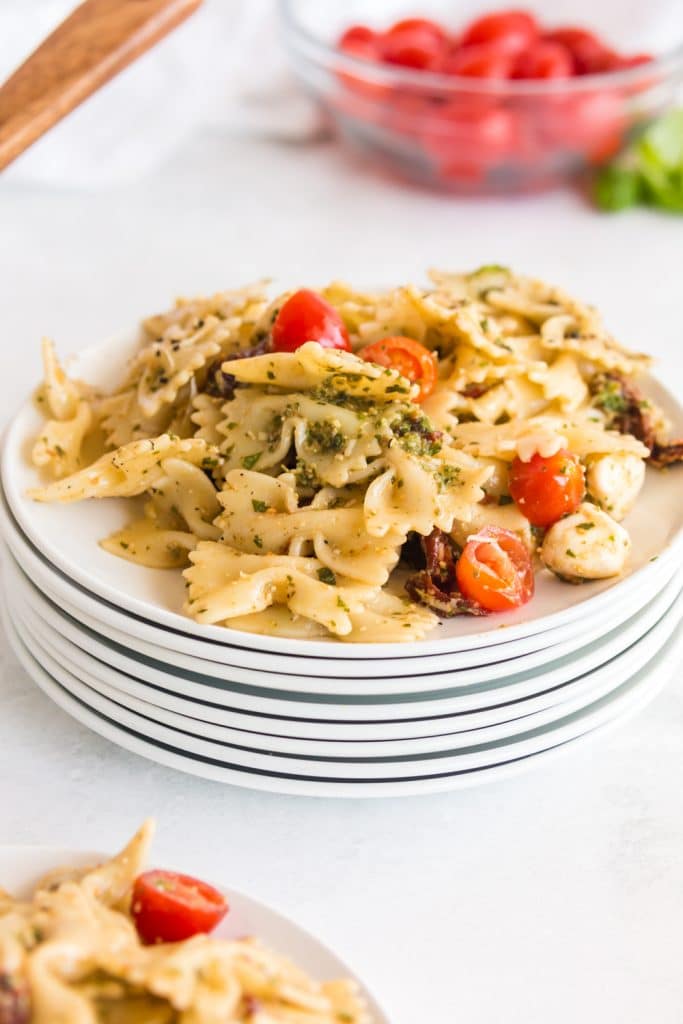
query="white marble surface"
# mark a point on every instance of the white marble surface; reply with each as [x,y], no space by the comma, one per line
[556,896]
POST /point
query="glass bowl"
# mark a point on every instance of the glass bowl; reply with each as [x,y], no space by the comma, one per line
[484,135]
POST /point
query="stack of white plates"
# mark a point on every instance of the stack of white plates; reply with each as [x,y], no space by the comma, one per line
[486,697]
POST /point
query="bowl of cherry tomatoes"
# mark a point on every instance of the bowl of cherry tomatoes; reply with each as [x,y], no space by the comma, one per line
[486,100]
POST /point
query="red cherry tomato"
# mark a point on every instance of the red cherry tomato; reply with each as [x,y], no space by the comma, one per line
[414,43]
[543,60]
[495,570]
[619,63]
[409,357]
[511,31]
[481,61]
[356,34]
[458,137]
[589,53]
[545,489]
[306,316]
[168,907]
[367,49]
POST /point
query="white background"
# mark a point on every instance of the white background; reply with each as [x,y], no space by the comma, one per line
[556,896]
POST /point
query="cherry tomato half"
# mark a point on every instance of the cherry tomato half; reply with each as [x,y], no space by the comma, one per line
[409,357]
[511,31]
[306,316]
[168,907]
[495,570]
[356,34]
[545,489]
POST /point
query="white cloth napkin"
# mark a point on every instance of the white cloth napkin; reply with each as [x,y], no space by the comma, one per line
[203,73]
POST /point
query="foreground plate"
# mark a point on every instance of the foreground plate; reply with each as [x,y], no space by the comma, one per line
[68,536]
[22,866]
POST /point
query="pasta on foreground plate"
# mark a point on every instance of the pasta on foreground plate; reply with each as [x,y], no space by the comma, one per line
[72,955]
[295,485]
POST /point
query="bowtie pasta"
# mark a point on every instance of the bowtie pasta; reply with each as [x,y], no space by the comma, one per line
[74,954]
[296,486]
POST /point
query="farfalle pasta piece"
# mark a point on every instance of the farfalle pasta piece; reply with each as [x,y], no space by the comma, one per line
[60,442]
[207,413]
[163,367]
[58,395]
[130,470]
[243,306]
[331,371]
[261,514]
[544,435]
[224,583]
[334,443]
[419,494]
[147,543]
[566,334]
[122,420]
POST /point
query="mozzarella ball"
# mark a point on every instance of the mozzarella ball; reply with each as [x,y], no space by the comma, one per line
[614,481]
[586,545]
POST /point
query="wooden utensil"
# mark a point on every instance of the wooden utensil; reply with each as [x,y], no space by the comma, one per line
[92,45]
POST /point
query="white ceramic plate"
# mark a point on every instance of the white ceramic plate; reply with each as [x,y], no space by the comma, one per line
[188,654]
[68,537]
[22,866]
[476,756]
[634,696]
[523,717]
[48,619]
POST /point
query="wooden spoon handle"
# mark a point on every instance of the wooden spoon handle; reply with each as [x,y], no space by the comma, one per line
[92,45]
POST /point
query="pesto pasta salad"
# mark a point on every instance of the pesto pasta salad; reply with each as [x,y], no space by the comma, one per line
[356,465]
[115,944]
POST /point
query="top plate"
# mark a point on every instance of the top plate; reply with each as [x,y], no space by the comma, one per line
[22,866]
[68,535]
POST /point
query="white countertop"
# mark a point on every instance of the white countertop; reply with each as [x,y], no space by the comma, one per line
[554,897]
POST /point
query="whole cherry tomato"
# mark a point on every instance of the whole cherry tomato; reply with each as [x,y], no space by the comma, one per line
[543,59]
[619,63]
[481,61]
[495,570]
[547,488]
[409,357]
[589,54]
[457,136]
[168,907]
[306,316]
[511,31]
[414,43]
[356,34]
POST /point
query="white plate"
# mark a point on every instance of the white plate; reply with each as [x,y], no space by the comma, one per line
[334,708]
[22,866]
[476,756]
[68,536]
[511,720]
[191,655]
[639,692]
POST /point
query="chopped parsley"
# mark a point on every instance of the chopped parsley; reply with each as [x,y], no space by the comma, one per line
[570,553]
[585,526]
[249,461]
[259,506]
[324,436]
[257,541]
[325,575]
[342,604]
